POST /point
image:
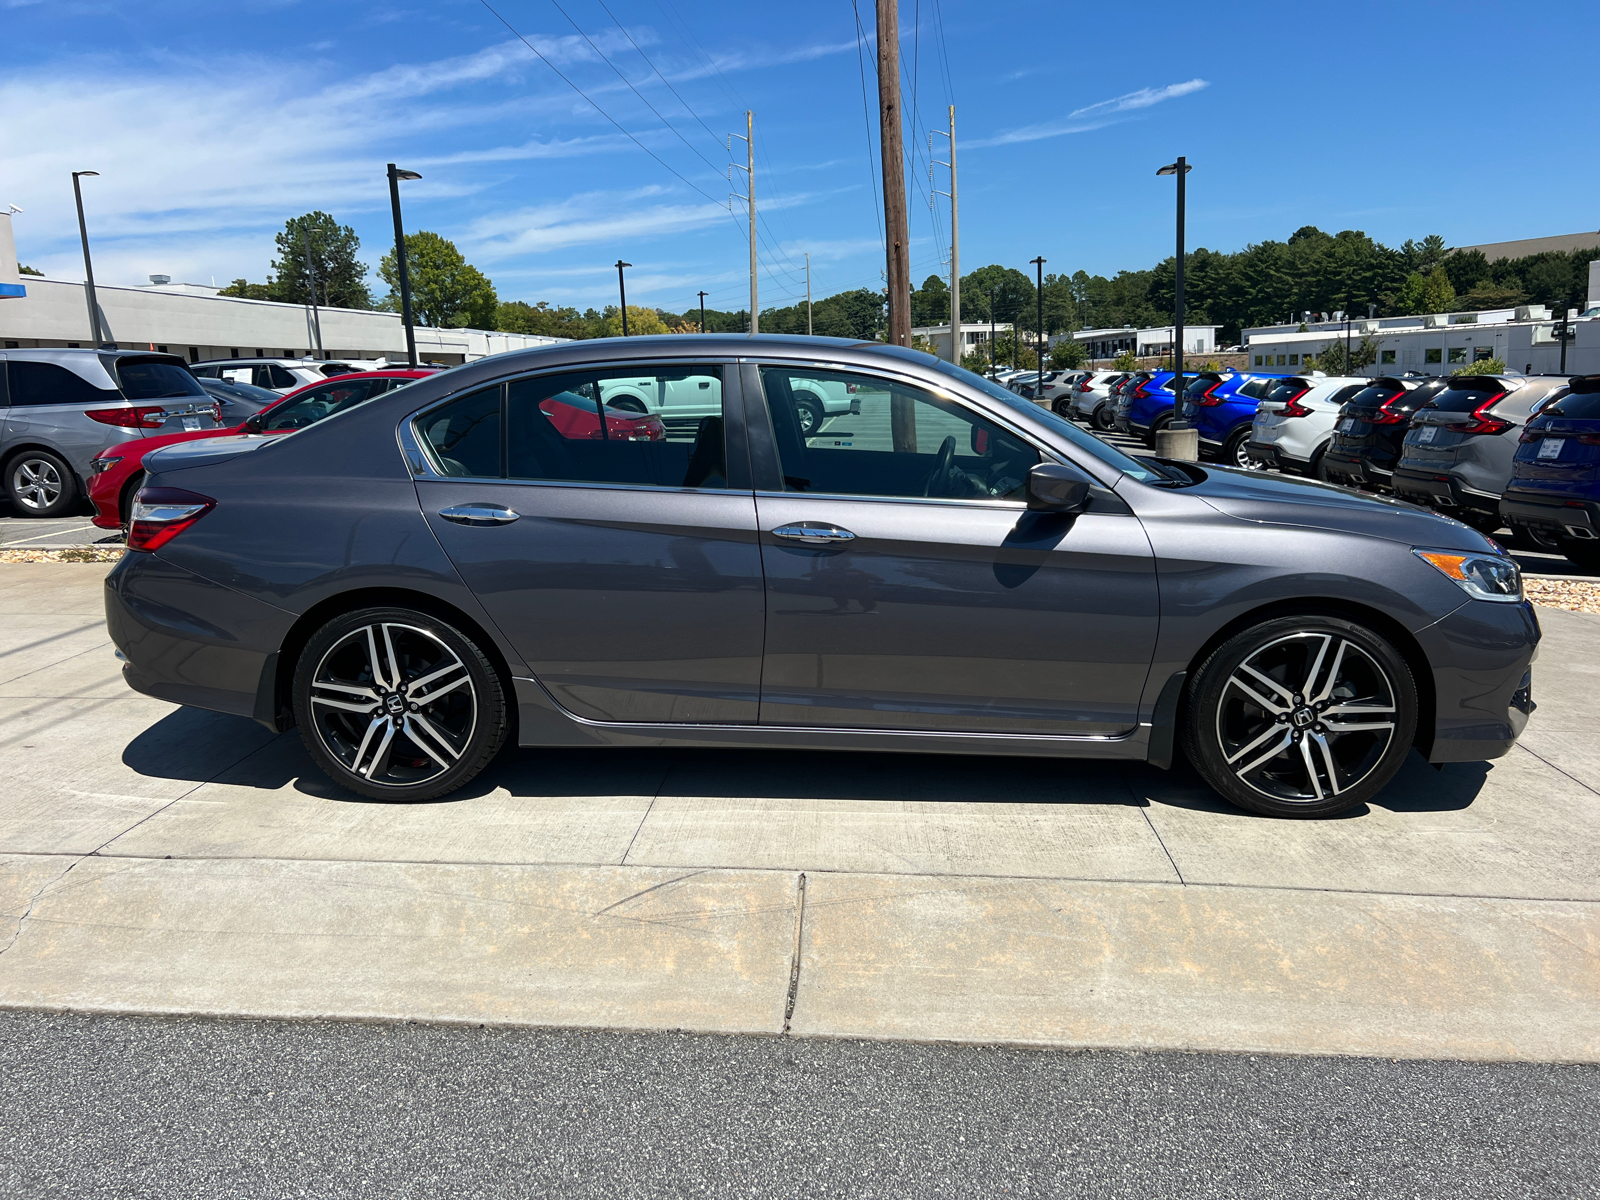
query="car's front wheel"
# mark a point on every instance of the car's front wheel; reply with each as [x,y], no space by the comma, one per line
[1301,716]
[1237,452]
[810,413]
[397,704]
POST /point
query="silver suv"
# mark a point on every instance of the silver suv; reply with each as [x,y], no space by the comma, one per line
[62,407]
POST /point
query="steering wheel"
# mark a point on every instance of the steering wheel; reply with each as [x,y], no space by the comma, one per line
[939,479]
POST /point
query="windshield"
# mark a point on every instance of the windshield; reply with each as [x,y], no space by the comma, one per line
[152,379]
[316,403]
[1062,427]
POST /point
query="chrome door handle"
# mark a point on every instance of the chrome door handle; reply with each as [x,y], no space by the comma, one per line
[813,533]
[478,514]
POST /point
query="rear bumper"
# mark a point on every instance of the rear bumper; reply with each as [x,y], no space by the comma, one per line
[1483,699]
[1270,454]
[1558,515]
[1442,491]
[1362,471]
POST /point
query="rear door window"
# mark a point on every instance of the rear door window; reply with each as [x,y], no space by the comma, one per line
[39,383]
[151,379]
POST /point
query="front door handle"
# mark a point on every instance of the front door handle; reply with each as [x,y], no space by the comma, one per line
[479,514]
[814,533]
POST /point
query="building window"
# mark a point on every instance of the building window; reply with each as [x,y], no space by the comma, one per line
[1283,360]
[233,352]
[1481,353]
[1258,360]
[1458,354]
[161,349]
[194,353]
[1433,356]
[1386,356]
[260,353]
[12,346]
[1294,360]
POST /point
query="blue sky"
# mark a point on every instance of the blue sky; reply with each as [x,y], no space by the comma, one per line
[211,124]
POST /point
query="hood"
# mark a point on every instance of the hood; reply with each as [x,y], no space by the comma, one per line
[1309,504]
[204,451]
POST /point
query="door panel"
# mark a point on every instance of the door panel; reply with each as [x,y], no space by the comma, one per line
[953,617]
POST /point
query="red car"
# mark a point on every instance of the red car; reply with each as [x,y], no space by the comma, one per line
[119,470]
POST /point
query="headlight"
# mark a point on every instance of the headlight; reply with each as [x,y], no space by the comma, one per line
[99,465]
[1481,576]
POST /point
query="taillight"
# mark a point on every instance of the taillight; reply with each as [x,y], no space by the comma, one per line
[1292,406]
[161,514]
[1084,386]
[1209,398]
[1482,422]
[1386,415]
[148,417]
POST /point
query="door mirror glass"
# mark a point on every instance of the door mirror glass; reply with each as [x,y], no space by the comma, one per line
[1055,488]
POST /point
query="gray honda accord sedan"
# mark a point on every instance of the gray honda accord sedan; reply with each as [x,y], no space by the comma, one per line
[640,542]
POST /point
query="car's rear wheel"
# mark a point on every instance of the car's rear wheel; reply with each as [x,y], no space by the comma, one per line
[810,413]
[1105,417]
[1237,452]
[627,404]
[40,484]
[125,503]
[397,704]
[1301,716]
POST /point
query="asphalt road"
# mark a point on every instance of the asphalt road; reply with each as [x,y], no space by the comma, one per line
[131,1107]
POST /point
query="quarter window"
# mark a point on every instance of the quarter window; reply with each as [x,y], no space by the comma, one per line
[464,435]
[878,437]
[47,383]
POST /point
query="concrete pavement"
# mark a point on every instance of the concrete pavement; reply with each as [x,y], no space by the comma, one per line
[162,860]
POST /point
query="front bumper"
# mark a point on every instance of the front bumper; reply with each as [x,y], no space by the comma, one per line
[1483,656]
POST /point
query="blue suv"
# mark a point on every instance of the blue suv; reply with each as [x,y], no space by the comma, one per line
[1554,492]
[1222,406]
[1149,406]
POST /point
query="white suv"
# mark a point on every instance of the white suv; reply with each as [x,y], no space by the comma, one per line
[1294,422]
[281,375]
[685,401]
[1091,394]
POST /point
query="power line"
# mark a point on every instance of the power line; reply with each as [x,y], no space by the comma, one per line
[657,70]
[866,113]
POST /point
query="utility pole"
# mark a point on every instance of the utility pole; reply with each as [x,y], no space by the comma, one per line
[749,138]
[896,230]
[955,238]
[1038,265]
[702,312]
[311,273]
[622,291]
[992,295]
[808,294]
[395,176]
[88,267]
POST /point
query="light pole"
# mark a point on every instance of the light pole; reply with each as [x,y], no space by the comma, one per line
[1186,442]
[395,176]
[808,293]
[991,333]
[311,273]
[88,268]
[1038,266]
[622,290]
[702,312]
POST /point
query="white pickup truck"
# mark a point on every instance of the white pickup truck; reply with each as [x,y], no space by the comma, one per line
[691,397]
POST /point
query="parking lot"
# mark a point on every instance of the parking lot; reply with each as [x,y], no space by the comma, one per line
[165,860]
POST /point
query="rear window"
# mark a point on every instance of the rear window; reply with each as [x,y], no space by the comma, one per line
[1284,390]
[1197,386]
[1256,389]
[1374,396]
[336,368]
[152,379]
[1584,406]
[1464,395]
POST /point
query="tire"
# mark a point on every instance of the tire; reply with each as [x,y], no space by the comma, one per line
[1527,538]
[627,404]
[1156,426]
[1105,418]
[1242,707]
[1237,453]
[40,484]
[810,412]
[375,739]
[1584,555]
[1316,468]
[125,504]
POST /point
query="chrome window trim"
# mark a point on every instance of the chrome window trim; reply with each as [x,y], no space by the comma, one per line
[942,501]
[586,484]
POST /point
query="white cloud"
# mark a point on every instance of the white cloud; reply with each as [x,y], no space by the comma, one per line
[1092,116]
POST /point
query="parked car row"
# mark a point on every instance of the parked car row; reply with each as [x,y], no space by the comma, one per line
[1464,445]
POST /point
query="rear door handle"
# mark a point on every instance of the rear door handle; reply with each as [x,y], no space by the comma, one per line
[479,514]
[814,533]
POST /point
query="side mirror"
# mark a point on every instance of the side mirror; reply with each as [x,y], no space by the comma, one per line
[1055,488]
[254,423]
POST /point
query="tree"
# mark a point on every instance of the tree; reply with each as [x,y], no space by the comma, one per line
[447,292]
[1125,362]
[1332,359]
[1486,366]
[1487,294]
[1429,293]
[245,290]
[341,276]
[642,322]
[518,316]
[1067,355]
[22,270]
[930,304]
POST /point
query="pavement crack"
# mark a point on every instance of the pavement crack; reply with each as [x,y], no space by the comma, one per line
[645,892]
[649,808]
[1557,769]
[34,899]
[1144,811]
[794,960]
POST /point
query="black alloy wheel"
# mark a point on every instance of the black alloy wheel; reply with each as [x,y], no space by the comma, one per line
[1301,716]
[398,705]
[39,483]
